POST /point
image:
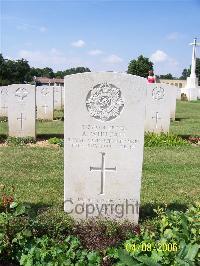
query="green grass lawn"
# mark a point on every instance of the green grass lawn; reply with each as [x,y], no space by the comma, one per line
[187,119]
[170,175]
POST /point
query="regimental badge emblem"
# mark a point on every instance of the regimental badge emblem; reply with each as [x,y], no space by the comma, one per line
[104,102]
[21,93]
[4,91]
[158,93]
[45,91]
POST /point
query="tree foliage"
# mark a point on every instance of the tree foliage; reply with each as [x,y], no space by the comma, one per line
[19,71]
[61,74]
[140,66]
[166,76]
[187,71]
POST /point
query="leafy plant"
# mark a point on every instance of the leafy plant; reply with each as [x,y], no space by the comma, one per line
[57,141]
[3,138]
[47,251]
[174,241]
[3,119]
[10,212]
[18,141]
[168,140]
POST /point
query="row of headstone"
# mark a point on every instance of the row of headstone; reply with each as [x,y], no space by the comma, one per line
[105,120]
[48,98]
[159,100]
[23,103]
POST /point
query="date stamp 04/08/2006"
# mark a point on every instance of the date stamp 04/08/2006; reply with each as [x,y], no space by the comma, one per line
[166,247]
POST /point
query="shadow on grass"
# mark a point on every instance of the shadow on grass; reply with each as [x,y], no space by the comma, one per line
[3,138]
[147,210]
[178,119]
[48,136]
[37,208]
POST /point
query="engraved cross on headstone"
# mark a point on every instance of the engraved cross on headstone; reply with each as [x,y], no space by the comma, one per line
[45,108]
[4,107]
[103,170]
[157,118]
[21,118]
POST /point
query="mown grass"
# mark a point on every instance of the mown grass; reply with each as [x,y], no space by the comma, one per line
[170,176]
[187,119]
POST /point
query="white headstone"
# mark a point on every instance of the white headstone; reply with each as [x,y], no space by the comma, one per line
[3,101]
[157,113]
[44,102]
[62,99]
[21,110]
[178,94]
[173,94]
[104,135]
[57,97]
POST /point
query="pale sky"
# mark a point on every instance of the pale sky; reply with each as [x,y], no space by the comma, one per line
[101,35]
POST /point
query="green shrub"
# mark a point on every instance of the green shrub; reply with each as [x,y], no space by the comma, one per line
[174,240]
[171,239]
[3,119]
[184,97]
[59,115]
[57,141]
[18,141]
[47,251]
[168,140]
[3,138]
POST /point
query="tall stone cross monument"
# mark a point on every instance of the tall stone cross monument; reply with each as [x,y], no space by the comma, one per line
[192,81]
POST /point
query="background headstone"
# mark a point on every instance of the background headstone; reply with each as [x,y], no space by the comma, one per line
[62,99]
[157,110]
[104,136]
[178,94]
[57,97]
[173,94]
[44,102]
[4,101]
[21,110]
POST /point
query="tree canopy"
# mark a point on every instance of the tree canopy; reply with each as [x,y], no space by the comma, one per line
[140,66]
[19,71]
[187,71]
[167,76]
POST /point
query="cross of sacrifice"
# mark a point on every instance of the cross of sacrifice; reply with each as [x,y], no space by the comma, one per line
[193,66]
[103,170]
[157,118]
[45,108]
[21,118]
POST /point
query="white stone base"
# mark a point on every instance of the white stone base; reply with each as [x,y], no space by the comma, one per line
[198,96]
[191,89]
